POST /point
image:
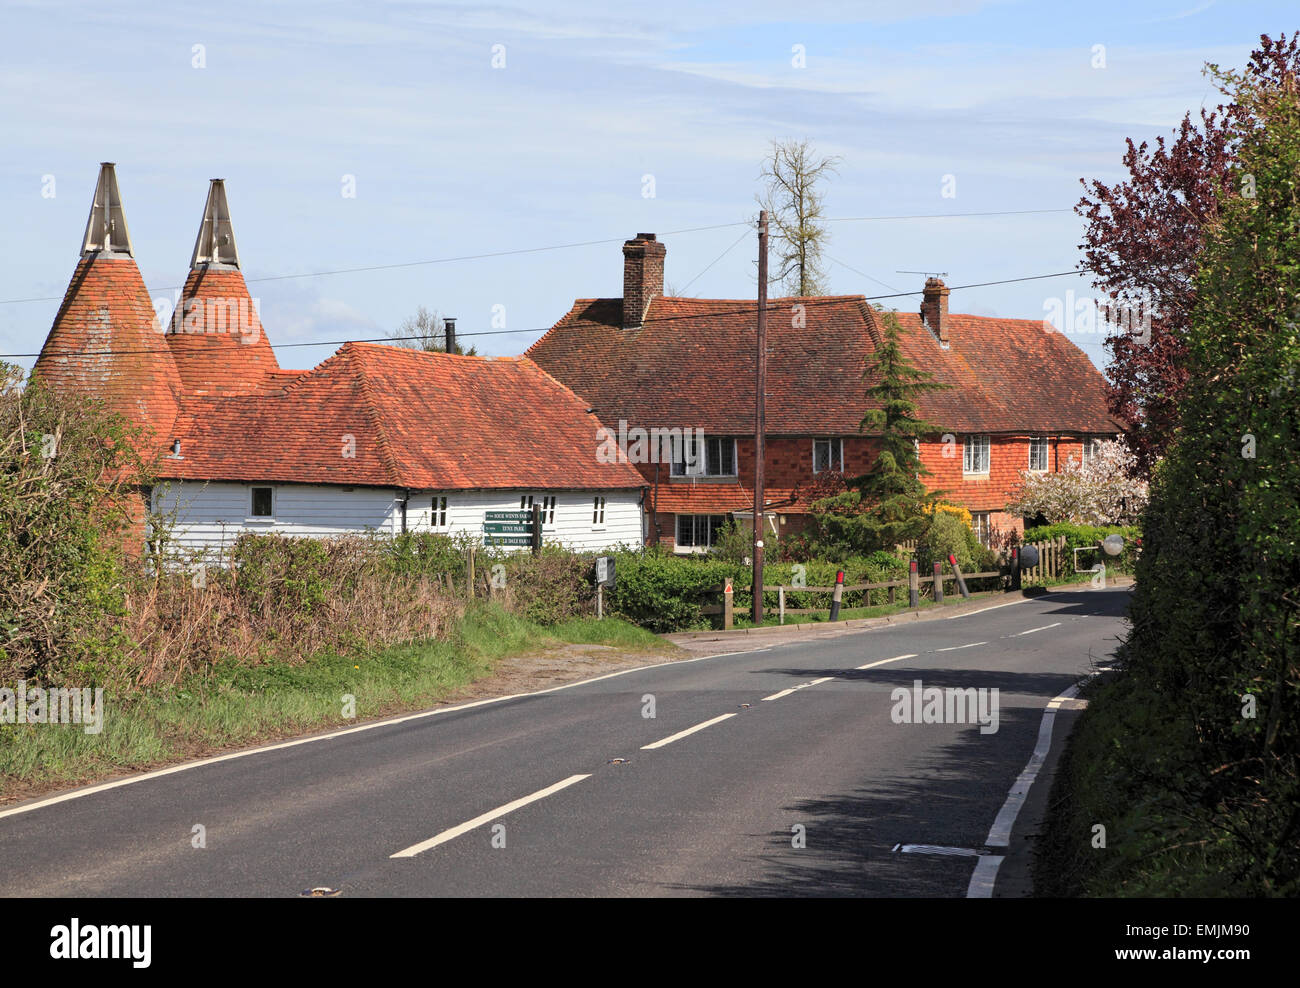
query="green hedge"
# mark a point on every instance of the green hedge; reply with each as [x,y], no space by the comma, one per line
[1090,536]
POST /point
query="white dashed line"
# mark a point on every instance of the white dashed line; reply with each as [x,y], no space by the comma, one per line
[881,662]
[478,821]
[1032,630]
[681,734]
[953,648]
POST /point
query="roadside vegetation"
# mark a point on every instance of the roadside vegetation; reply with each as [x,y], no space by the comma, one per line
[1189,755]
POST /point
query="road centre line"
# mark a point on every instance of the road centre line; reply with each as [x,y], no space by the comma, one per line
[478,821]
[881,662]
[1032,630]
[681,734]
[953,648]
[994,607]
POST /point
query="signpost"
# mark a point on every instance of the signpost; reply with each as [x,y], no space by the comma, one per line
[508,528]
[604,578]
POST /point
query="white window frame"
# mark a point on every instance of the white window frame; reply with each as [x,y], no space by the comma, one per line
[981,522]
[438,513]
[695,462]
[526,502]
[835,442]
[970,457]
[1088,449]
[1045,445]
[252,493]
[598,506]
[697,521]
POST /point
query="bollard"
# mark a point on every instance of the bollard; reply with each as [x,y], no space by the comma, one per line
[913,587]
[1015,568]
[728,609]
[938,582]
[837,595]
[780,599]
[961,583]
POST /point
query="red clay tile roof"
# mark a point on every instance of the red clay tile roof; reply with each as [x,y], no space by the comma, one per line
[419,420]
[216,337]
[105,342]
[692,366]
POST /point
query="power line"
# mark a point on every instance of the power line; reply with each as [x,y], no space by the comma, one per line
[743,308]
[716,260]
[583,243]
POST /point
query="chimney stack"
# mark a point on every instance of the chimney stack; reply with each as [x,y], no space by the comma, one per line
[449,327]
[643,277]
[934,309]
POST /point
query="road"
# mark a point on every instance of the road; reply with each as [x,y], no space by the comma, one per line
[747,756]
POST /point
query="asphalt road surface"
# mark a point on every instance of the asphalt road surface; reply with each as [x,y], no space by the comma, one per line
[780,771]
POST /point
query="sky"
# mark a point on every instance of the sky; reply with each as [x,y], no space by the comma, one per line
[391,134]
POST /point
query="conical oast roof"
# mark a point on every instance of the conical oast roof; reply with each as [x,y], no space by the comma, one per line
[105,341]
[216,336]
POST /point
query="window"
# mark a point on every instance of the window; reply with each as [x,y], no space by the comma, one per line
[598,513]
[546,507]
[979,522]
[1038,453]
[439,517]
[716,459]
[1090,450]
[828,454]
[698,531]
[975,455]
[262,502]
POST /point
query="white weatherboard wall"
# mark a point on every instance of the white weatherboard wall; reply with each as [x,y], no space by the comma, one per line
[210,516]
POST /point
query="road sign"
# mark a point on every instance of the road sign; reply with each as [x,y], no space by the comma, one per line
[491,539]
[507,528]
[605,571]
[508,516]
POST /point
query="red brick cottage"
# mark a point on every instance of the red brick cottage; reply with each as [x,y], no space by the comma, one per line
[1022,397]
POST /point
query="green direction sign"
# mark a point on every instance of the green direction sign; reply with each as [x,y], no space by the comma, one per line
[507,516]
[491,539]
[503,528]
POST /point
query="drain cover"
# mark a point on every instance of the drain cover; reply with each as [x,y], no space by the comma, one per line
[617,761]
[320,892]
[745,706]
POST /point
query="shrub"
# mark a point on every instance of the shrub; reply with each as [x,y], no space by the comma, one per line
[1090,536]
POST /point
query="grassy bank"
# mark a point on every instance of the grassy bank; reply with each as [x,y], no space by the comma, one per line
[239,705]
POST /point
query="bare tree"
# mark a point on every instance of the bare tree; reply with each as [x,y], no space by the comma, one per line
[426,331]
[793,200]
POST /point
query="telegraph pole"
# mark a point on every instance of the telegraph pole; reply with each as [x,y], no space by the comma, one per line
[760,395]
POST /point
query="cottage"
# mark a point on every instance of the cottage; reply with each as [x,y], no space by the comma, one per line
[1022,397]
[374,438]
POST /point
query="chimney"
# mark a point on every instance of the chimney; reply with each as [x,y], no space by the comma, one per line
[643,277]
[934,309]
[449,327]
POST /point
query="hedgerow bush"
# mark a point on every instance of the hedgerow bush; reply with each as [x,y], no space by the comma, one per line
[1090,536]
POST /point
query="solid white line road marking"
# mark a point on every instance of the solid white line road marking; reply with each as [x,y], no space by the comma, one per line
[1032,630]
[1000,833]
[1010,603]
[881,662]
[984,878]
[478,821]
[953,648]
[681,734]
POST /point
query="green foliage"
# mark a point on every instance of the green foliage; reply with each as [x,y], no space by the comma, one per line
[734,543]
[1089,537]
[68,487]
[1207,795]
[663,592]
[552,587]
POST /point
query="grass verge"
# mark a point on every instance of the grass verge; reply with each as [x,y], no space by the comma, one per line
[237,706]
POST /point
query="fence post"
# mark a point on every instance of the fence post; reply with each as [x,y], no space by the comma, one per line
[728,610]
[780,597]
[1015,567]
[893,596]
[469,573]
[938,582]
[913,586]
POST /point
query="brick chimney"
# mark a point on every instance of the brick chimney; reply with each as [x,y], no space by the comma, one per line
[934,309]
[643,277]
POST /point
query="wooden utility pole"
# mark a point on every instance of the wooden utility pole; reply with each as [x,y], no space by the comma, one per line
[760,395]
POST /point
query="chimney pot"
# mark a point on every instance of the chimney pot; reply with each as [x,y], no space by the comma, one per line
[643,277]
